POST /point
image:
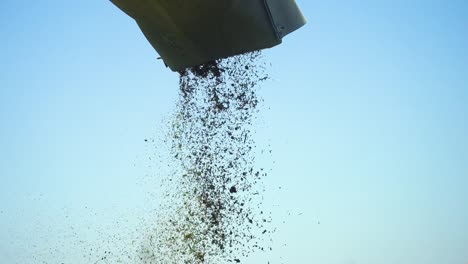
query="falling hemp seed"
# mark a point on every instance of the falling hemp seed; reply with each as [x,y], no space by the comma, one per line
[213,212]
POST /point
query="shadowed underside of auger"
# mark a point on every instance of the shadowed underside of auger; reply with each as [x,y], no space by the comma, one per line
[188,33]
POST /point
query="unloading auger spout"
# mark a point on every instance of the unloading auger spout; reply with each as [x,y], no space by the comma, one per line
[188,33]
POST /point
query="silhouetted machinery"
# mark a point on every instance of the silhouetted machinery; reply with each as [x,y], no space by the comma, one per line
[188,33]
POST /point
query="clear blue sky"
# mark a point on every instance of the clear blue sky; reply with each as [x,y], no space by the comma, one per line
[367,117]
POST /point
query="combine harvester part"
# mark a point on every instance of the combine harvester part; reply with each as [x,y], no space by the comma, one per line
[188,33]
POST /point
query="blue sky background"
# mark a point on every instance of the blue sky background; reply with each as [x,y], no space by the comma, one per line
[366,114]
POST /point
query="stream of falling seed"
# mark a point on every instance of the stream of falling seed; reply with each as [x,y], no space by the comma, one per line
[212,210]
[210,199]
